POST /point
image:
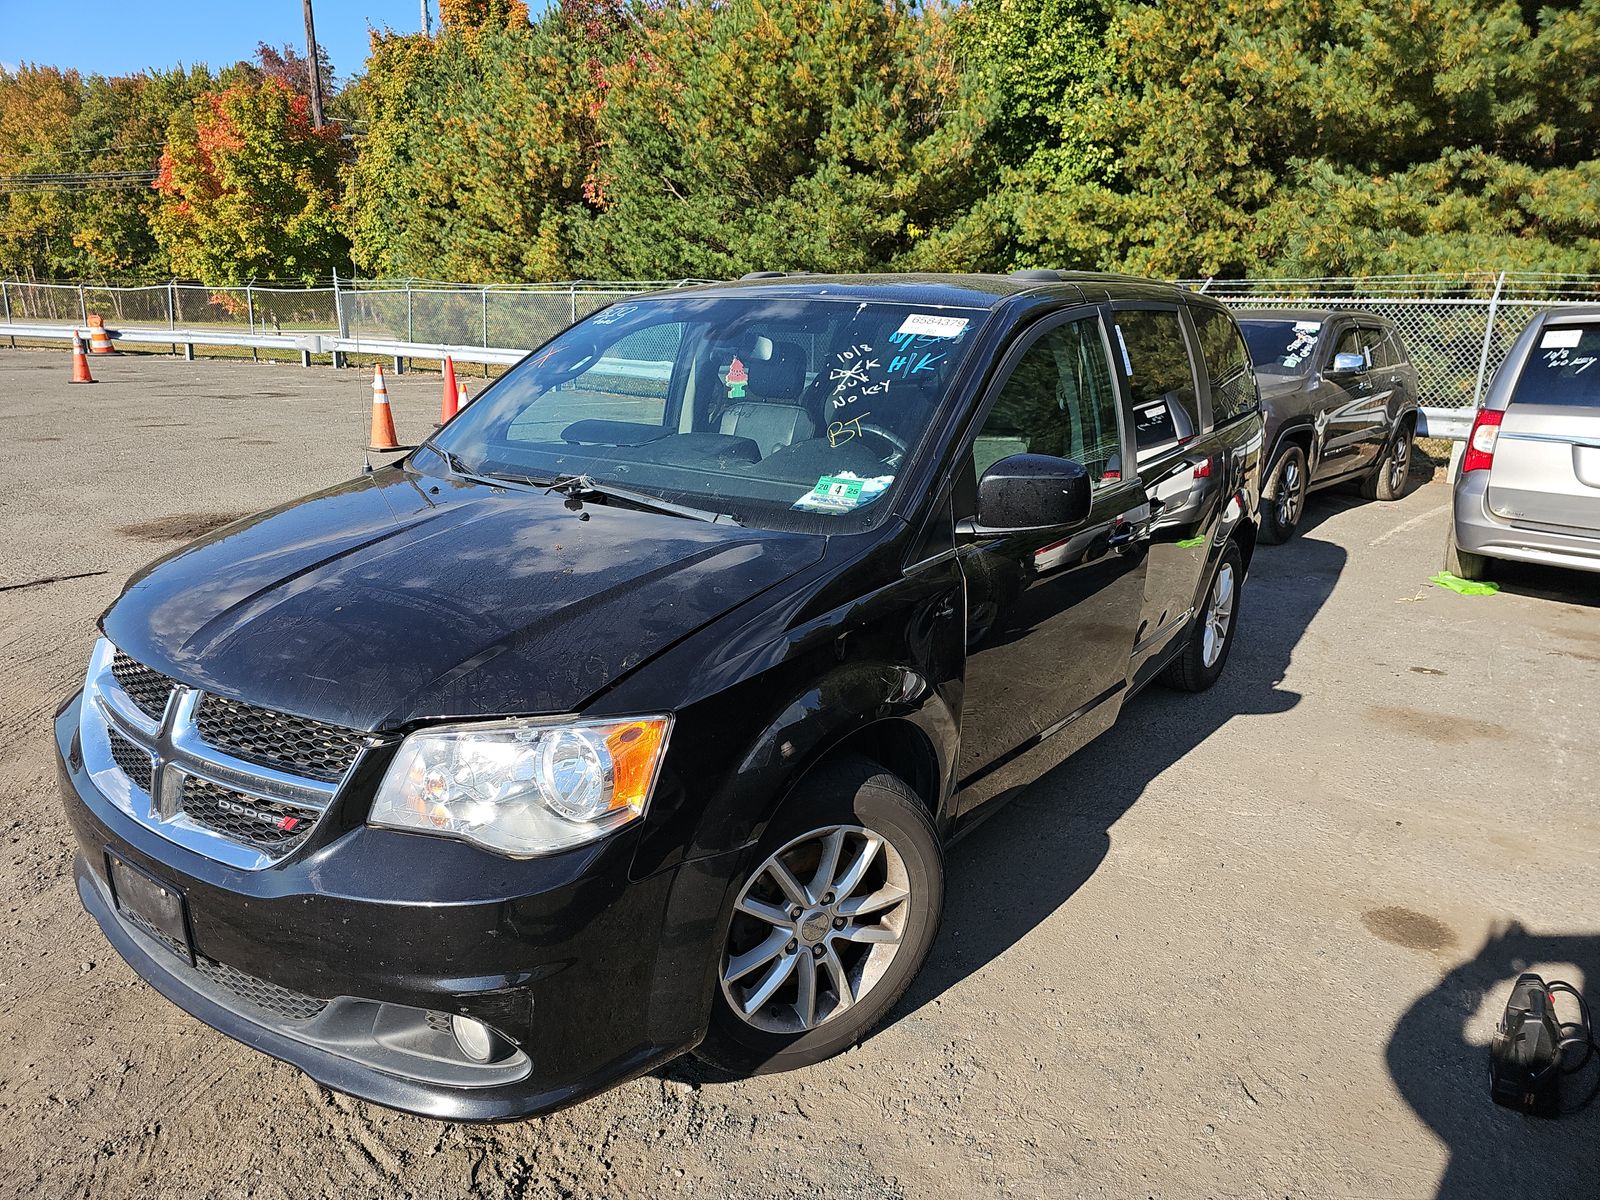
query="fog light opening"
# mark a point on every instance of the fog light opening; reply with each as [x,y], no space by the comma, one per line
[476,1040]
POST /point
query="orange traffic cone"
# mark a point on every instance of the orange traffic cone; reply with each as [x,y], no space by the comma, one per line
[80,363]
[383,437]
[462,399]
[99,339]
[447,405]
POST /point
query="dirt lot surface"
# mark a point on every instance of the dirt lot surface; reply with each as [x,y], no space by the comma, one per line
[1250,943]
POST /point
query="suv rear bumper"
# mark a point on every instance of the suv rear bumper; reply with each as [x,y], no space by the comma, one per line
[589,977]
[1479,531]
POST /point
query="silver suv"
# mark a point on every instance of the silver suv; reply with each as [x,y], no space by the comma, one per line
[1528,487]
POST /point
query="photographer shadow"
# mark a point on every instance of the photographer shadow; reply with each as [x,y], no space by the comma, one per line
[1051,823]
[1443,1074]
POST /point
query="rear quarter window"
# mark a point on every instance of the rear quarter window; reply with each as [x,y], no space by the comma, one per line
[1160,376]
[1562,368]
[1233,383]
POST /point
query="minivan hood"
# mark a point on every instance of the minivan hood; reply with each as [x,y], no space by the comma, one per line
[396,597]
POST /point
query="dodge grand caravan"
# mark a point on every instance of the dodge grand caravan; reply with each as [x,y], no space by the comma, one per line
[630,713]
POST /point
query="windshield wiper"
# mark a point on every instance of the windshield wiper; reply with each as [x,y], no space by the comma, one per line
[575,487]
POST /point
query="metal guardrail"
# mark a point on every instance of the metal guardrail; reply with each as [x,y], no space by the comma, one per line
[1452,423]
[306,344]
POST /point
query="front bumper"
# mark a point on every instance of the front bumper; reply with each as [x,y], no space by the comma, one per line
[1479,531]
[589,976]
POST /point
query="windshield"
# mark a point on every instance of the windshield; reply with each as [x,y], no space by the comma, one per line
[783,413]
[1281,347]
[1562,369]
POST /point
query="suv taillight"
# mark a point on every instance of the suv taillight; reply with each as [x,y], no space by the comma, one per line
[1480,442]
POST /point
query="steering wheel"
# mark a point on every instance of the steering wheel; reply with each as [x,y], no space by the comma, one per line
[897,445]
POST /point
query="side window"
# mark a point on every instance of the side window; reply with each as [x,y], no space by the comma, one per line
[1397,352]
[1156,359]
[1375,344]
[1349,343]
[1233,383]
[1059,399]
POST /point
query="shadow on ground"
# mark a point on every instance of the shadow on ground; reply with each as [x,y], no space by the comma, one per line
[1444,1077]
[1049,834]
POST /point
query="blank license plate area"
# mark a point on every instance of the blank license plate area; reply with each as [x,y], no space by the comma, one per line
[148,900]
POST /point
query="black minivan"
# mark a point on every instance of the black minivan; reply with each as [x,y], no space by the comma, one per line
[630,714]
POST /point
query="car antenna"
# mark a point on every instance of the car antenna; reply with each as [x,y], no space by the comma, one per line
[366,465]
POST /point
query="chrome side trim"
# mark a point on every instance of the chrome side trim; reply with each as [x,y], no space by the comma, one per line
[1558,439]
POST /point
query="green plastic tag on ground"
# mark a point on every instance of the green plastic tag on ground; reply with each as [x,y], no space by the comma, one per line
[1466,587]
[1194,541]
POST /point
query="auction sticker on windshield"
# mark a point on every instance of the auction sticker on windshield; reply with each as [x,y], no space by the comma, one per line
[842,492]
[928,325]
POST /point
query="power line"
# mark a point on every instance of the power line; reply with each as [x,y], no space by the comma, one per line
[76,181]
[107,149]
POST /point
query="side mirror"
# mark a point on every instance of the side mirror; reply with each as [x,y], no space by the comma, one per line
[1347,364]
[1033,491]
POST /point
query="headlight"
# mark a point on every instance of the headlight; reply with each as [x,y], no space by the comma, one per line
[523,787]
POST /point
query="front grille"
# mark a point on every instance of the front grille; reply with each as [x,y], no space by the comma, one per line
[134,762]
[288,743]
[268,997]
[147,688]
[154,934]
[265,825]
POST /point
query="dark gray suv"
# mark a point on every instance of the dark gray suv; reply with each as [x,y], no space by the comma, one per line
[1340,397]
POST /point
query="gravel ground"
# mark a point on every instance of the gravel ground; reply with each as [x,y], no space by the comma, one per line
[1249,943]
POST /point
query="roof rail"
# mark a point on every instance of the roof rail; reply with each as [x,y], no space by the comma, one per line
[763,275]
[1038,275]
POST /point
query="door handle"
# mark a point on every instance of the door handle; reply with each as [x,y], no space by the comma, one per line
[1124,535]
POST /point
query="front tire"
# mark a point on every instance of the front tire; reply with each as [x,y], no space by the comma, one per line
[1290,479]
[1206,652]
[1389,478]
[831,925]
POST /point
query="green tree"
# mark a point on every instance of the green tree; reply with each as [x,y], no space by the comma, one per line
[1336,136]
[477,149]
[1037,64]
[820,134]
[249,189]
[121,127]
[38,106]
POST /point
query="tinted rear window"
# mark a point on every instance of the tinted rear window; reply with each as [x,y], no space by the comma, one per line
[1156,358]
[1563,368]
[1233,386]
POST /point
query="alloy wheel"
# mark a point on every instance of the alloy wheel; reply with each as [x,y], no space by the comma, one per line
[1219,615]
[815,929]
[1289,498]
[1400,463]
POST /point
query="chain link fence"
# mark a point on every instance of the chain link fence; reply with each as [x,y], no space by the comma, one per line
[433,313]
[1457,328]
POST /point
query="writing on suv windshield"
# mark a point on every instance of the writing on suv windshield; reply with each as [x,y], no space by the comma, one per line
[777,412]
[1281,347]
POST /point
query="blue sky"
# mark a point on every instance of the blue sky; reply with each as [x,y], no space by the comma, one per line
[115,38]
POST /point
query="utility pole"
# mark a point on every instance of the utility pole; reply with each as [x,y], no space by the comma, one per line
[425,18]
[315,66]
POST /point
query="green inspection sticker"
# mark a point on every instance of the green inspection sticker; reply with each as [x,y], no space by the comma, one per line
[842,492]
[834,492]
